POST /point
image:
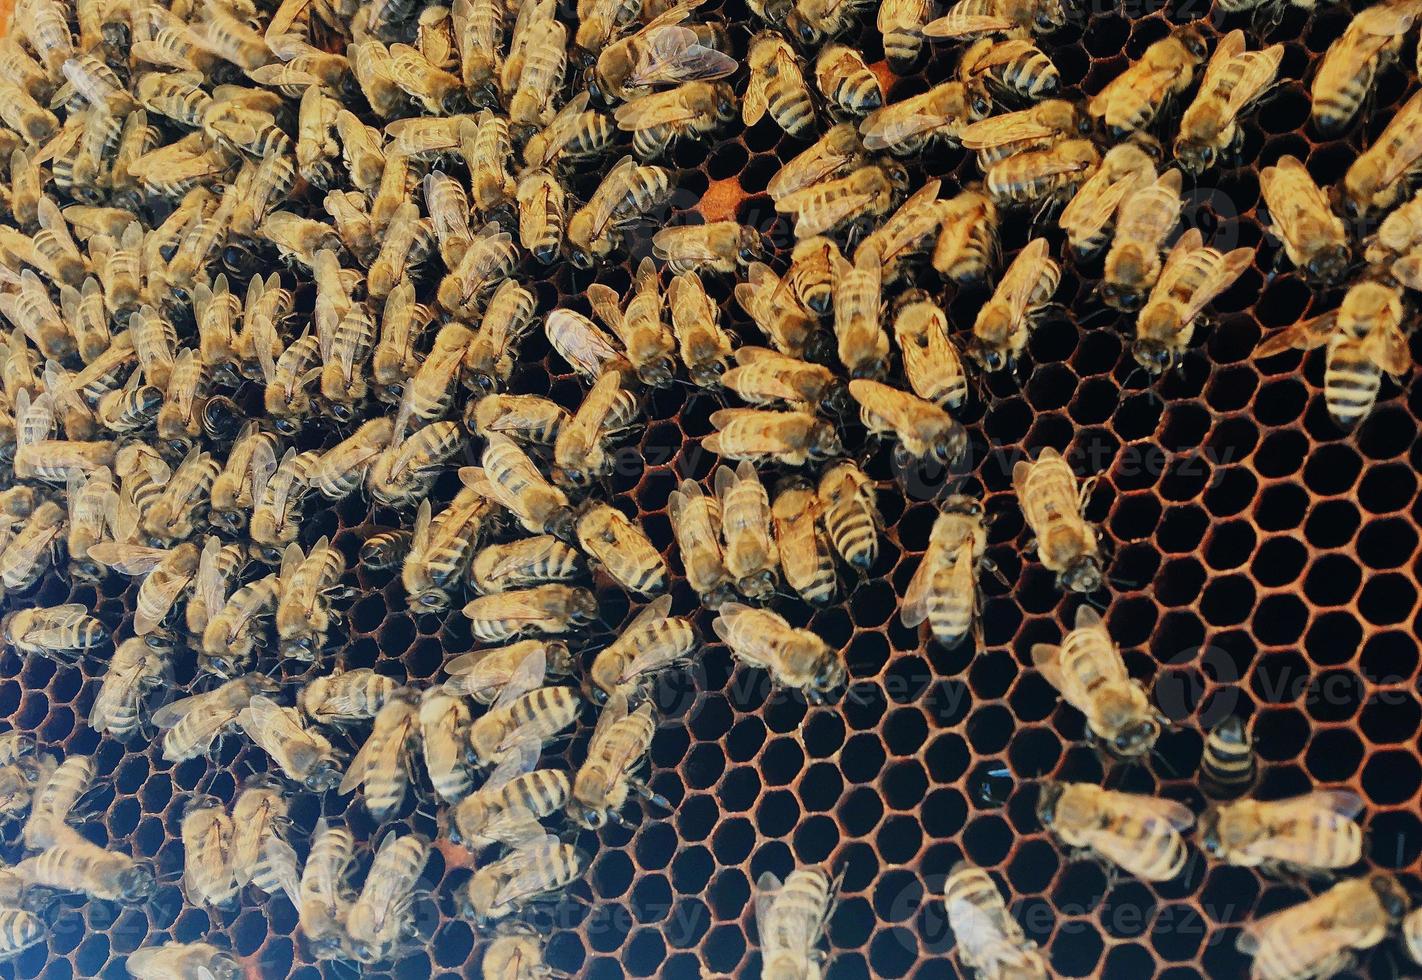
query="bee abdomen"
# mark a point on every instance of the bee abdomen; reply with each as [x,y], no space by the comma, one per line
[1350,387]
[950,616]
[19,930]
[854,536]
[792,109]
[1227,766]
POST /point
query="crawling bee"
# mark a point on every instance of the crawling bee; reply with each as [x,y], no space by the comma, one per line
[345,696]
[303,611]
[989,940]
[777,83]
[522,563]
[440,550]
[1013,66]
[1042,176]
[696,323]
[650,346]
[75,865]
[938,116]
[806,558]
[1322,936]
[444,720]
[791,328]
[863,346]
[524,713]
[1234,80]
[668,50]
[1004,323]
[1228,764]
[621,548]
[1193,275]
[1055,511]
[64,632]
[542,609]
[527,419]
[750,555]
[381,769]
[789,438]
[181,960]
[302,754]
[1314,833]
[791,919]
[516,953]
[1088,671]
[1380,176]
[207,853]
[1314,238]
[533,871]
[509,478]
[932,365]
[767,377]
[846,81]
[484,674]
[1131,101]
[690,110]
[618,748]
[381,919]
[1146,217]
[837,153]
[967,250]
[1351,66]
[718,246]
[923,430]
[696,525]
[846,504]
[626,194]
[140,666]
[859,198]
[970,18]
[1138,833]
[795,658]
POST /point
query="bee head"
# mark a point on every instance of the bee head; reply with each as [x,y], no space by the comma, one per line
[324,775]
[1152,355]
[288,426]
[1082,575]
[1390,895]
[719,596]
[299,648]
[581,257]
[979,99]
[1195,156]
[657,373]
[832,675]
[1329,264]
[86,569]
[1122,297]
[726,108]
[592,81]
[221,418]
[1047,802]
[584,607]
[961,503]
[1193,42]
[342,412]
[219,665]
[429,601]
[807,34]
[761,585]
[1210,832]
[588,817]
[136,883]
[268,553]
[560,525]
[1135,740]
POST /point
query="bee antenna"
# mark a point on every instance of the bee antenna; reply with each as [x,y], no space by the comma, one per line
[1164,763]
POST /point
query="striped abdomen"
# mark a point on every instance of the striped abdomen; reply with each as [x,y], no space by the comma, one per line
[790,106]
[541,792]
[952,601]
[1351,381]
[1227,766]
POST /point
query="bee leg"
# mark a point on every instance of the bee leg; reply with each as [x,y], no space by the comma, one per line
[649,794]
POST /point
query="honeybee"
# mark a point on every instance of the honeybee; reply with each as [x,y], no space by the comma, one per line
[408,466]
[444,718]
[939,115]
[406,243]
[719,246]
[621,548]
[60,787]
[516,953]
[90,502]
[791,919]
[64,632]
[428,85]
[850,514]
[766,377]
[696,525]
[932,365]
[859,198]
[84,310]
[509,478]
[297,239]
[1046,175]
[393,361]
[837,153]
[806,557]
[795,658]
[1037,127]
[432,387]
[506,809]
[508,318]
[303,612]
[1322,936]
[383,551]
[229,637]
[1131,101]
[1352,63]
[541,77]
[531,872]
[166,575]
[1055,510]
[542,214]
[789,438]
[813,265]
[659,119]
[1305,834]
[381,919]
[1398,234]
[183,502]
[344,467]
[440,549]
[326,895]
[1138,833]
[1380,177]
[627,193]
[490,258]
[944,589]
[542,609]
[20,930]
[24,115]
[1228,764]
[302,754]
[1014,66]
[576,134]
[924,430]
[750,555]
[789,326]
[1234,79]
[1314,237]
[696,323]
[207,853]
[1088,217]
[483,674]
[524,713]
[970,18]
[175,959]
[667,51]
[989,940]
[906,234]
[191,733]
[530,419]
[487,149]
[1005,322]
[522,563]
[967,249]
[1145,218]
[76,865]
[777,83]
[33,312]
[845,80]
[1193,275]
[618,748]
[381,769]
[863,346]
[650,346]
[1088,671]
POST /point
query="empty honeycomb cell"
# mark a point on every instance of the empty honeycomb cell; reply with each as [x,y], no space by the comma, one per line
[1389,654]
[1229,545]
[1332,469]
[1334,695]
[1394,838]
[1332,580]
[1280,453]
[1052,386]
[1387,432]
[1333,638]
[1279,561]
[1227,600]
[1335,755]
[1182,529]
[1387,543]
[1279,678]
[1281,507]
[1387,599]
[1280,620]
[1391,776]
[1332,523]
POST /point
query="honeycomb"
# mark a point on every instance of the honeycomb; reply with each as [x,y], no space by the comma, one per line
[1265,565]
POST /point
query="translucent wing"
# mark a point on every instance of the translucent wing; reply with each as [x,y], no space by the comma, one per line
[173,712]
[1011,128]
[159,593]
[672,55]
[756,99]
[527,676]
[1021,278]
[1223,271]
[130,559]
[520,759]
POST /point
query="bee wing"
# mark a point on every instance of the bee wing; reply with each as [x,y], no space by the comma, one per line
[959,24]
[282,492]
[581,343]
[520,759]
[1224,270]
[1231,46]
[767,886]
[261,466]
[1175,264]
[914,609]
[1091,207]
[673,54]
[527,676]
[1047,658]
[653,612]
[355,772]
[280,859]
[209,585]
[171,713]
[1311,930]
[514,561]
[531,878]
[160,592]
[606,307]
[811,166]
[1342,802]
[1261,68]
[1021,277]
[686,242]
[756,99]
[657,109]
[420,539]
[1171,812]
[613,712]
[891,125]
[1011,128]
